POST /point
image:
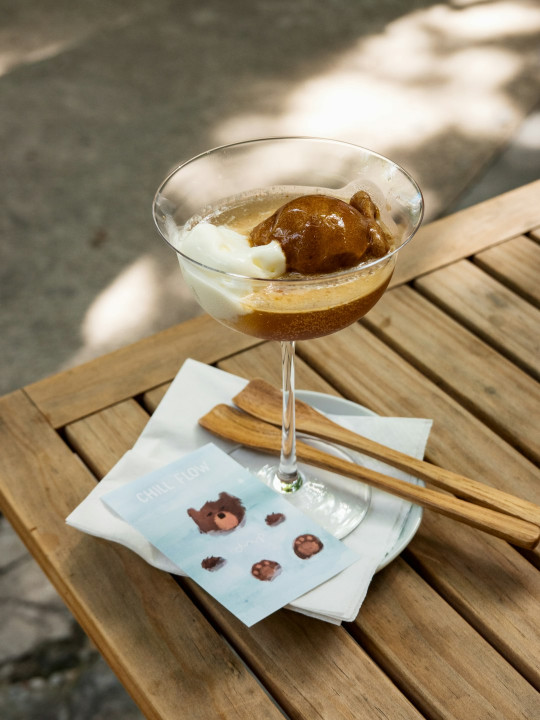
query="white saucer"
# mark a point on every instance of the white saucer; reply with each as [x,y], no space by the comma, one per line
[339,406]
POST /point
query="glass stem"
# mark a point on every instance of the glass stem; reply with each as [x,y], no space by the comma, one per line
[288,475]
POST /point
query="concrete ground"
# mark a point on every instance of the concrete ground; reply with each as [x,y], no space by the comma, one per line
[99,100]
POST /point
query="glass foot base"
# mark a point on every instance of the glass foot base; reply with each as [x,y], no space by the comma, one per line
[337,504]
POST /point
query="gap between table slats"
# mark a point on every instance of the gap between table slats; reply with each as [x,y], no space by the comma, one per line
[488,309]
[515,263]
[487,384]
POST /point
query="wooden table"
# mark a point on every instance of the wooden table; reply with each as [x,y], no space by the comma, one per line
[451,629]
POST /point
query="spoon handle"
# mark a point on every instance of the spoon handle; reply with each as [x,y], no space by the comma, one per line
[459,485]
[514,530]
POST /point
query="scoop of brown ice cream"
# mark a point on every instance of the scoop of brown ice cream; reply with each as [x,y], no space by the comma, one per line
[319,233]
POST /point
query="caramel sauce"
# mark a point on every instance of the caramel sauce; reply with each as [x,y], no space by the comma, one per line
[308,324]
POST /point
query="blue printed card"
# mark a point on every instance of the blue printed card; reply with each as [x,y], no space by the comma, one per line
[237,538]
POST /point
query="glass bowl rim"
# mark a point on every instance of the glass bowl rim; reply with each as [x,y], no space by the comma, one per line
[360,268]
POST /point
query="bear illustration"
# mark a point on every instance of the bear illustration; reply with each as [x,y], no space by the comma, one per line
[219,516]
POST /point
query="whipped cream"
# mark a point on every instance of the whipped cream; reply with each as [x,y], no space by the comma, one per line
[221,248]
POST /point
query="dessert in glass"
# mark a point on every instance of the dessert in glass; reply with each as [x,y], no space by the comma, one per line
[290,239]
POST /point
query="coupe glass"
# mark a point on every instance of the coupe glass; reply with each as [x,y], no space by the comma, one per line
[290,308]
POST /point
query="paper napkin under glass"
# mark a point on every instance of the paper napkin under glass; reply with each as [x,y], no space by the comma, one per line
[173,432]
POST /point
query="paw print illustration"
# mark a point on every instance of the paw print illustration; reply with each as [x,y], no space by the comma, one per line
[266,570]
[274,519]
[305,546]
[213,563]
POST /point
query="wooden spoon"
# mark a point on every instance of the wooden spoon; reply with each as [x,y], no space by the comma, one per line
[263,400]
[235,425]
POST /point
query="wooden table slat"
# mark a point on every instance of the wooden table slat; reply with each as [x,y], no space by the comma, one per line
[260,361]
[434,342]
[489,309]
[469,231]
[498,593]
[128,620]
[95,437]
[133,370]
[432,652]
[152,398]
[265,362]
[287,652]
[515,263]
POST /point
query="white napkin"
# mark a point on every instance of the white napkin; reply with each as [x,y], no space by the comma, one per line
[173,431]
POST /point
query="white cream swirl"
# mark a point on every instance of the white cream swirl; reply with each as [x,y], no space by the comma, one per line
[221,248]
